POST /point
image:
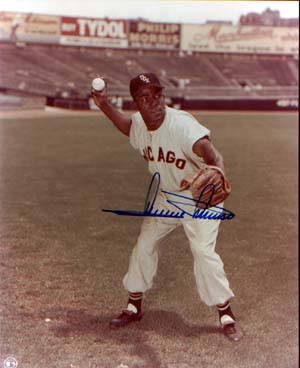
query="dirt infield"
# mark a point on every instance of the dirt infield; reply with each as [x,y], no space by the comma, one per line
[62,259]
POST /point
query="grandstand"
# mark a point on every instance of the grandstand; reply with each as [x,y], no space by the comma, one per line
[67,71]
[61,67]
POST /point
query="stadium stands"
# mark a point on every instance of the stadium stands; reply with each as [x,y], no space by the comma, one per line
[67,71]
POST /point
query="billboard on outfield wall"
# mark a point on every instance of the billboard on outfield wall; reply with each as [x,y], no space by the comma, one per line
[239,39]
[29,27]
[94,32]
[116,33]
[149,35]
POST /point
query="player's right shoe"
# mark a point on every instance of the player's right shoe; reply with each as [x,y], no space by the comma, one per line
[126,317]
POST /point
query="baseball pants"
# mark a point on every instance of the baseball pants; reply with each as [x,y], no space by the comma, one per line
[212,284]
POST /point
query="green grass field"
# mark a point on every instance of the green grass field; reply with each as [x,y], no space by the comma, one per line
[63,260]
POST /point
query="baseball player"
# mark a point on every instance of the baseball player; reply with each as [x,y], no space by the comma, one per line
[176,146]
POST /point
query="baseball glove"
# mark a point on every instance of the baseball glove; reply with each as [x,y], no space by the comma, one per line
[209,186]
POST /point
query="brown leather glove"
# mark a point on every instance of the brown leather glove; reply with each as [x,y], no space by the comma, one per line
[209,186]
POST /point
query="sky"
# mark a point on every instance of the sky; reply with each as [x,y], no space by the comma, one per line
[154,10]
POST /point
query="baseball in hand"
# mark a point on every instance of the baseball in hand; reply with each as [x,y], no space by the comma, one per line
[98,84]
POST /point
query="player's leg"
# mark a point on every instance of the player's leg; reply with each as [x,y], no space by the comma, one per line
[143,266]
[211,280]
[144,257]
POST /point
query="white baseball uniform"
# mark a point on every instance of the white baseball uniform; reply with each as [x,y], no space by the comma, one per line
[168,151]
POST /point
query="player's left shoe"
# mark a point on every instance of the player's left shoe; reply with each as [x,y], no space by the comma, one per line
[233,332]
[231,328]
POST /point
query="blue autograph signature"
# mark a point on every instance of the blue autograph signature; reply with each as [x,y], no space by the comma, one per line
[212,213]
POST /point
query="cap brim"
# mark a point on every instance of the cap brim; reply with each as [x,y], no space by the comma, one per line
[148,85]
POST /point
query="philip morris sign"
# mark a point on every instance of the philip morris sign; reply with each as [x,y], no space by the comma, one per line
[149,35]
[240,39]
[94,32]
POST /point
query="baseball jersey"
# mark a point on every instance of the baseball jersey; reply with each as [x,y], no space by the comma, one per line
[168,149]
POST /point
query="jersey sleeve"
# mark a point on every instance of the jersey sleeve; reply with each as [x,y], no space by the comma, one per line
[190,132]
[134,133]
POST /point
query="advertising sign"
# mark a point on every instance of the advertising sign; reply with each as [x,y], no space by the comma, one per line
[143,34]
[94,32]
[29,27]
[240,39]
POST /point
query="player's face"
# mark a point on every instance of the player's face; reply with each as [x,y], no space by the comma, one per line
[151,104]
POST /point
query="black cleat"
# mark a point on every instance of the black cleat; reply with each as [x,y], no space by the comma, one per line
[125,318]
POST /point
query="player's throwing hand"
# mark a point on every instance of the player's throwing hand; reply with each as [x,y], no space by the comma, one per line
[99,95]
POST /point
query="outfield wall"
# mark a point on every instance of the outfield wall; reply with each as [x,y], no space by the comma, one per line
[241,104]
[9,102]
[262,104]
[272,104]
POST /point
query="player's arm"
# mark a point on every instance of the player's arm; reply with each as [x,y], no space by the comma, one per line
[120,120]
[205,149]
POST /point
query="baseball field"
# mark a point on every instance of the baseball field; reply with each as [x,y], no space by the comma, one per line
[63,260]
